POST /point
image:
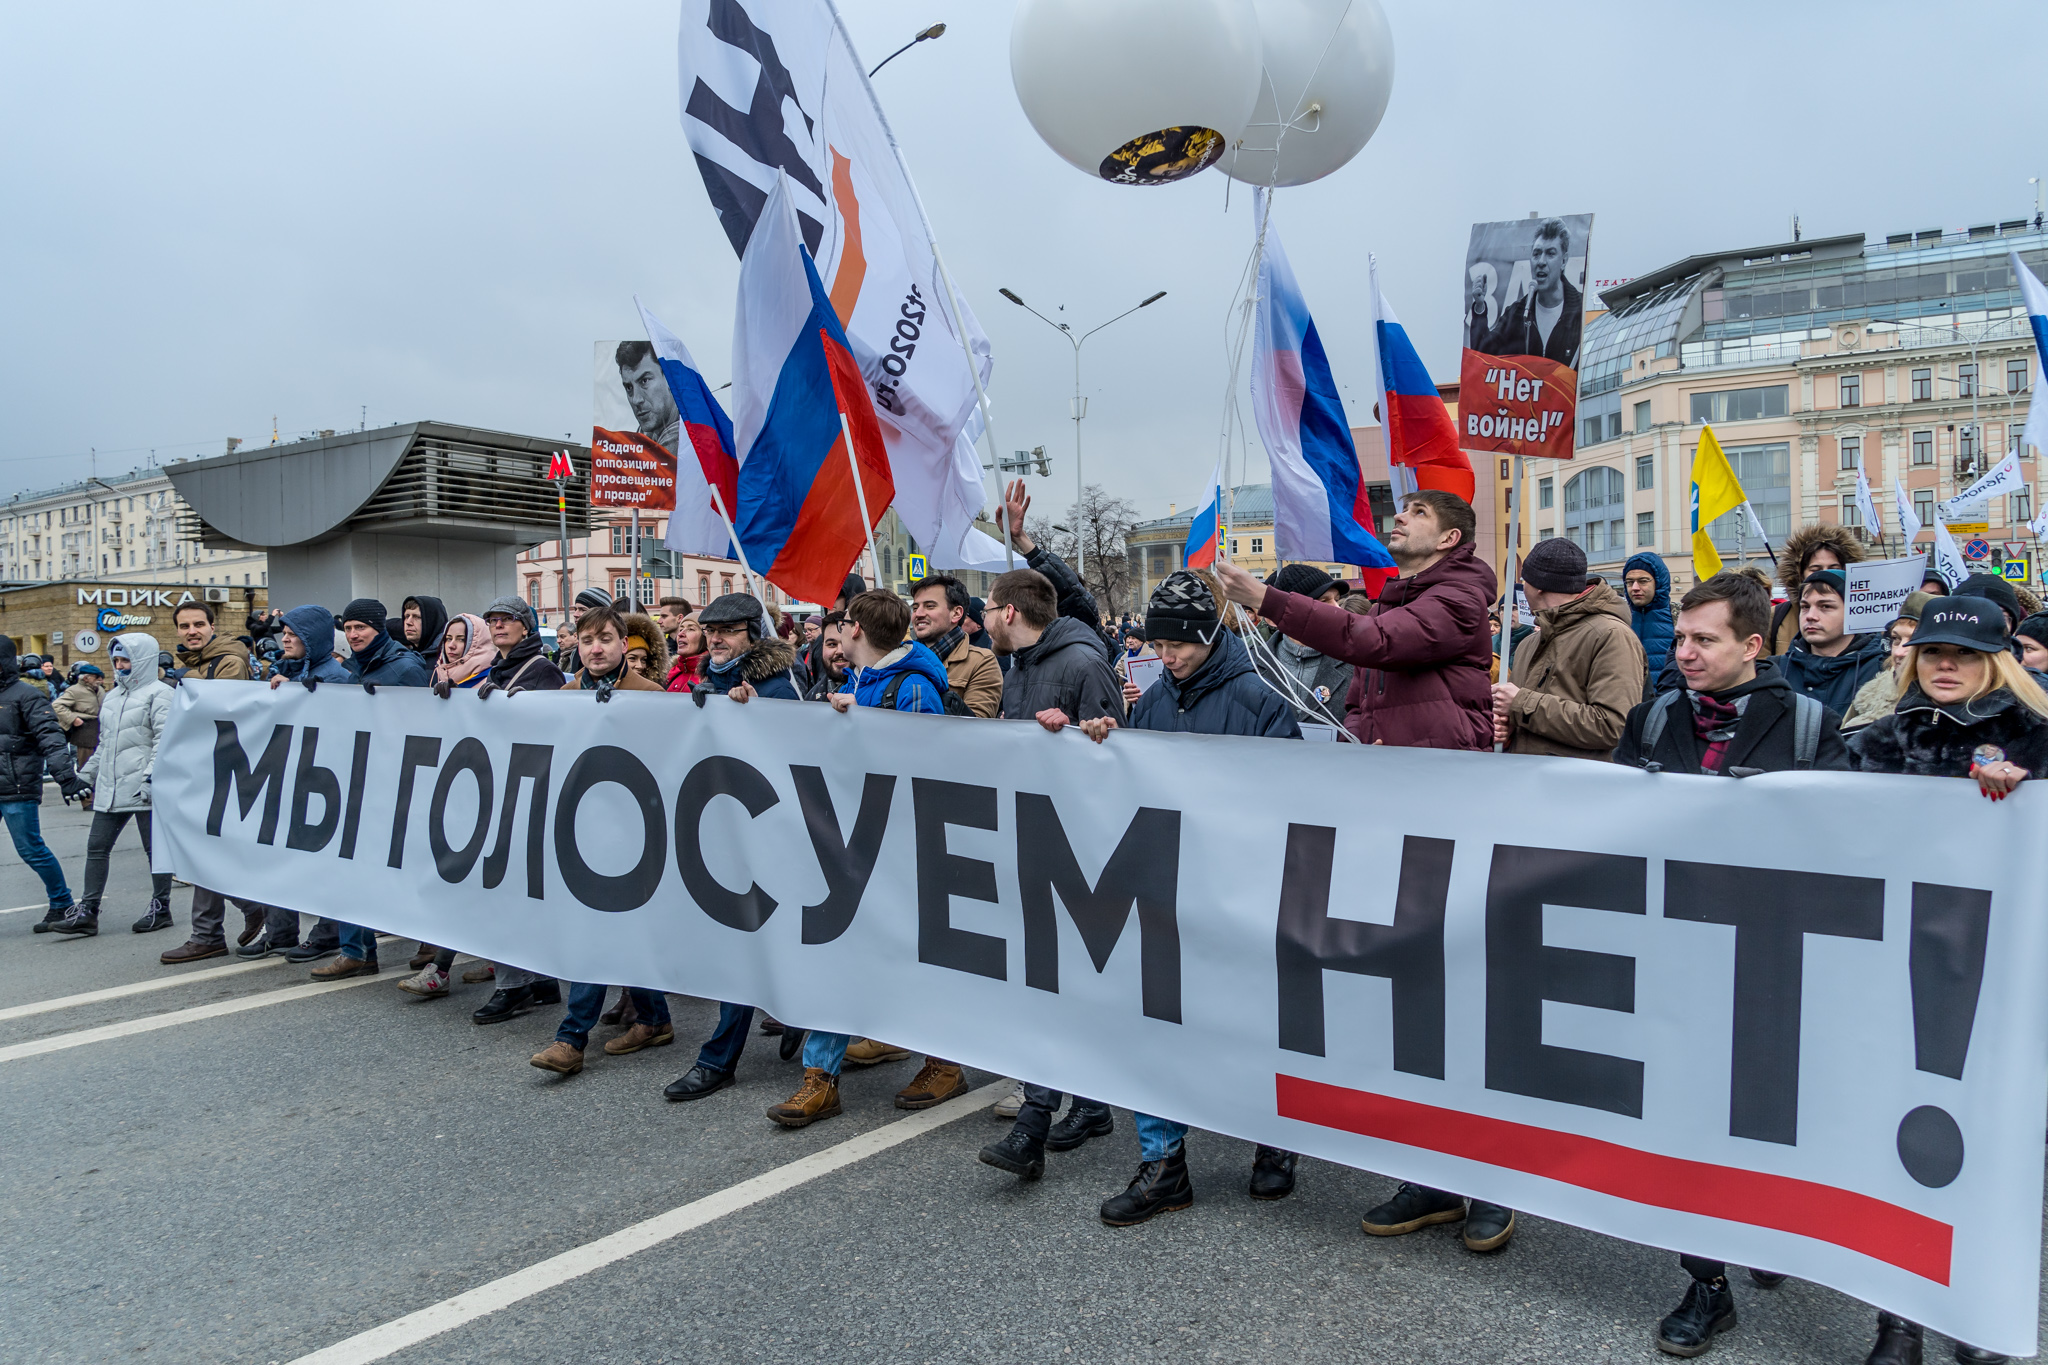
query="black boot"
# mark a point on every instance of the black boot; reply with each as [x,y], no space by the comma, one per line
[1898,1342]
[1160,1186]
[1765,1279]
[694,1084]
[792,1042]
[1413,1207]
[311,951]
[1017,1153]
[1272,1173]
[503,1005]
[546,991]
[1707,1310]
[52,917]
[83,920]
[158,916]
[1977,1355]
[1077,1127]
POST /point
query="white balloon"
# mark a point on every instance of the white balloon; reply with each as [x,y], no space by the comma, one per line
[1331,65]
[1138,92]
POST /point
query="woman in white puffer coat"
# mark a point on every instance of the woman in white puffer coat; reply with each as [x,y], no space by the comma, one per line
[132,719]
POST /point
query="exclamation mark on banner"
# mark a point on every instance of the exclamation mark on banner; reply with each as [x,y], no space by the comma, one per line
[1951,925]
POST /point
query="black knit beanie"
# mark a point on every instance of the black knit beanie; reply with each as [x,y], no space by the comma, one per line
[368,610]
[1305,580]
[1182,608]
[1555,565]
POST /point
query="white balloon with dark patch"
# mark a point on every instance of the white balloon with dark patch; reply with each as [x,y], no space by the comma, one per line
[1329,70]
[1137,92]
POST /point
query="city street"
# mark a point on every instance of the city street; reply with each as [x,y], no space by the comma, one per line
[221,1163]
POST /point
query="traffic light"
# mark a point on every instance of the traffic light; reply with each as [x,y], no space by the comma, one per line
[1044,461]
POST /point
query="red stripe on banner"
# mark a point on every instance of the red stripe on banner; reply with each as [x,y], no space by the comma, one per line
[1884,1232]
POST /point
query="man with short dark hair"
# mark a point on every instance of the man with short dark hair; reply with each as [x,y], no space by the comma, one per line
[376,659]
[938,618]
[670,613]
[647,391]
[202,651]
[1057,663]
[1736,715]
[831,655]
[1547,320]
[1826,662]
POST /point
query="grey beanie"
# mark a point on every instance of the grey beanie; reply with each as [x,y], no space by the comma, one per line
[1182,608]
[514,607]
[1555,565]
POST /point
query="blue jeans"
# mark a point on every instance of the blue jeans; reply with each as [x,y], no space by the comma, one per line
[358,942]
[826,1050]
[1157,1138]
[721,1051]
[25,823]
[586,1002]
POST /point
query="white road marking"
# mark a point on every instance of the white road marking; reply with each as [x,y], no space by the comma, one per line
[433,1320]
[161,983]
[17,909]
[151,1023]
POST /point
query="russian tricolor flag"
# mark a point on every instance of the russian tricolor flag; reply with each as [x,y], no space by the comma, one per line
[696,527]
[1320,505]
[1421,437]
[797,395]
[1200,552]
[2036,296]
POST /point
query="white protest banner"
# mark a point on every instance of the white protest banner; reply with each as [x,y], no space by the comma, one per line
[1909,522]
[1791,1021]
[1948,556]
[2005,477]
[1878,588]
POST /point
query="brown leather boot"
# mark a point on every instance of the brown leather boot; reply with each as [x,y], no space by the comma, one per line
[639,1036]
[817,1098]
[869,1052]
[344,966]
[936,1083]
[559,1058]
[192,950]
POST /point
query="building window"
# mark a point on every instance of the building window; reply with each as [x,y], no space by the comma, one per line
[1966,442]
[1741,405]
[1852,452]
[703,589]
[1233,547]
[1546,492]
[2016,376]
[1923,447]
[1765,472]
[1923,385]
[1646,471]
[1923,505]
[1646,528]
[1852,390]
[1547,533]
[1504,469]
[2022,507]
[618,540]
[1592,510]
[1258,545]
[1643,415]
[619,585]
[1966,381]
[1852,512]
[1614,425]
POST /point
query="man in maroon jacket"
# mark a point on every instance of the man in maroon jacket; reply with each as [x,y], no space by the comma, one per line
[1421,656]
[1423,652]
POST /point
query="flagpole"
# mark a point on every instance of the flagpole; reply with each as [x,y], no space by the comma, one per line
[633,583]
[1511,615]
[718,503]
[867,526]
[562,540]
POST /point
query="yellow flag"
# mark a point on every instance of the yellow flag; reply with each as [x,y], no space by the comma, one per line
[1715,491]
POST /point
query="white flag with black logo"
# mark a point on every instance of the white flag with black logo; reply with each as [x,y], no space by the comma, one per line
[775,86]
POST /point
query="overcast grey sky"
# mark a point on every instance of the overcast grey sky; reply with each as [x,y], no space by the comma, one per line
[224,213]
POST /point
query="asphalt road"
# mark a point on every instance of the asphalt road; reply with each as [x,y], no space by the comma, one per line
[258,1185]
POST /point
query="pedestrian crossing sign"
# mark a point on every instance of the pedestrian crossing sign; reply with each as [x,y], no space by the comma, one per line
[920,567]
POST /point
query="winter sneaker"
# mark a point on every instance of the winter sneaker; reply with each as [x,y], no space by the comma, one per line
[560,1058]
[1010,1105]
[80,921]
[310,952]
[817,1098]
[1412,1208]
[1077,1127]
[52,918]
[1707,1310]
[935,1083]
[1160,1186]
[158,916]
[1898,1342]
[639,1036]
[422,955]
[868,1052]
[1487,1226]
[1272,1173]
[481,972]
[430,984]
[1017,1154]
[343,966]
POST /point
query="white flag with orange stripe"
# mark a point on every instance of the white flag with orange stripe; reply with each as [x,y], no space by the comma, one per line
[775,85]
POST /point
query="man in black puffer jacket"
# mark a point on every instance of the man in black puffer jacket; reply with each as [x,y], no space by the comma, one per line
[29,738]
[1056,662]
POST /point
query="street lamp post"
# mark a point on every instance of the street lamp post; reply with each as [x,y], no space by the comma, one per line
[1079,406]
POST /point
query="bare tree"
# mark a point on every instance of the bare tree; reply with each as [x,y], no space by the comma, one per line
[1101,525]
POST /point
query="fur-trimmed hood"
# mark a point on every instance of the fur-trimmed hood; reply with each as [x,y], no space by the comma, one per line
[1800,545]
[766,658]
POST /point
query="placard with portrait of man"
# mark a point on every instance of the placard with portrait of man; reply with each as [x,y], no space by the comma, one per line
[1525,312]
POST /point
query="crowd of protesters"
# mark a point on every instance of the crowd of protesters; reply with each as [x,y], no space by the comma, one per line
[1724,682]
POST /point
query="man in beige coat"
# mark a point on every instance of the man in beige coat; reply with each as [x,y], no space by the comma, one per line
[938,621]
[1573,690]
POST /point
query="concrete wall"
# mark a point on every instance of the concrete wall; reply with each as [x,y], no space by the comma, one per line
[464,574]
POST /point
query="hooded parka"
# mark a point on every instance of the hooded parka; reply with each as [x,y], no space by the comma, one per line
[132,719]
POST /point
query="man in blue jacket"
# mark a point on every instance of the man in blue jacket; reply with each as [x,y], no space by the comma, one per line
[1209,688]
[885,668]
[1648,584]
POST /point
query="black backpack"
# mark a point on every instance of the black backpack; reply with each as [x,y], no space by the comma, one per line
[954,705]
